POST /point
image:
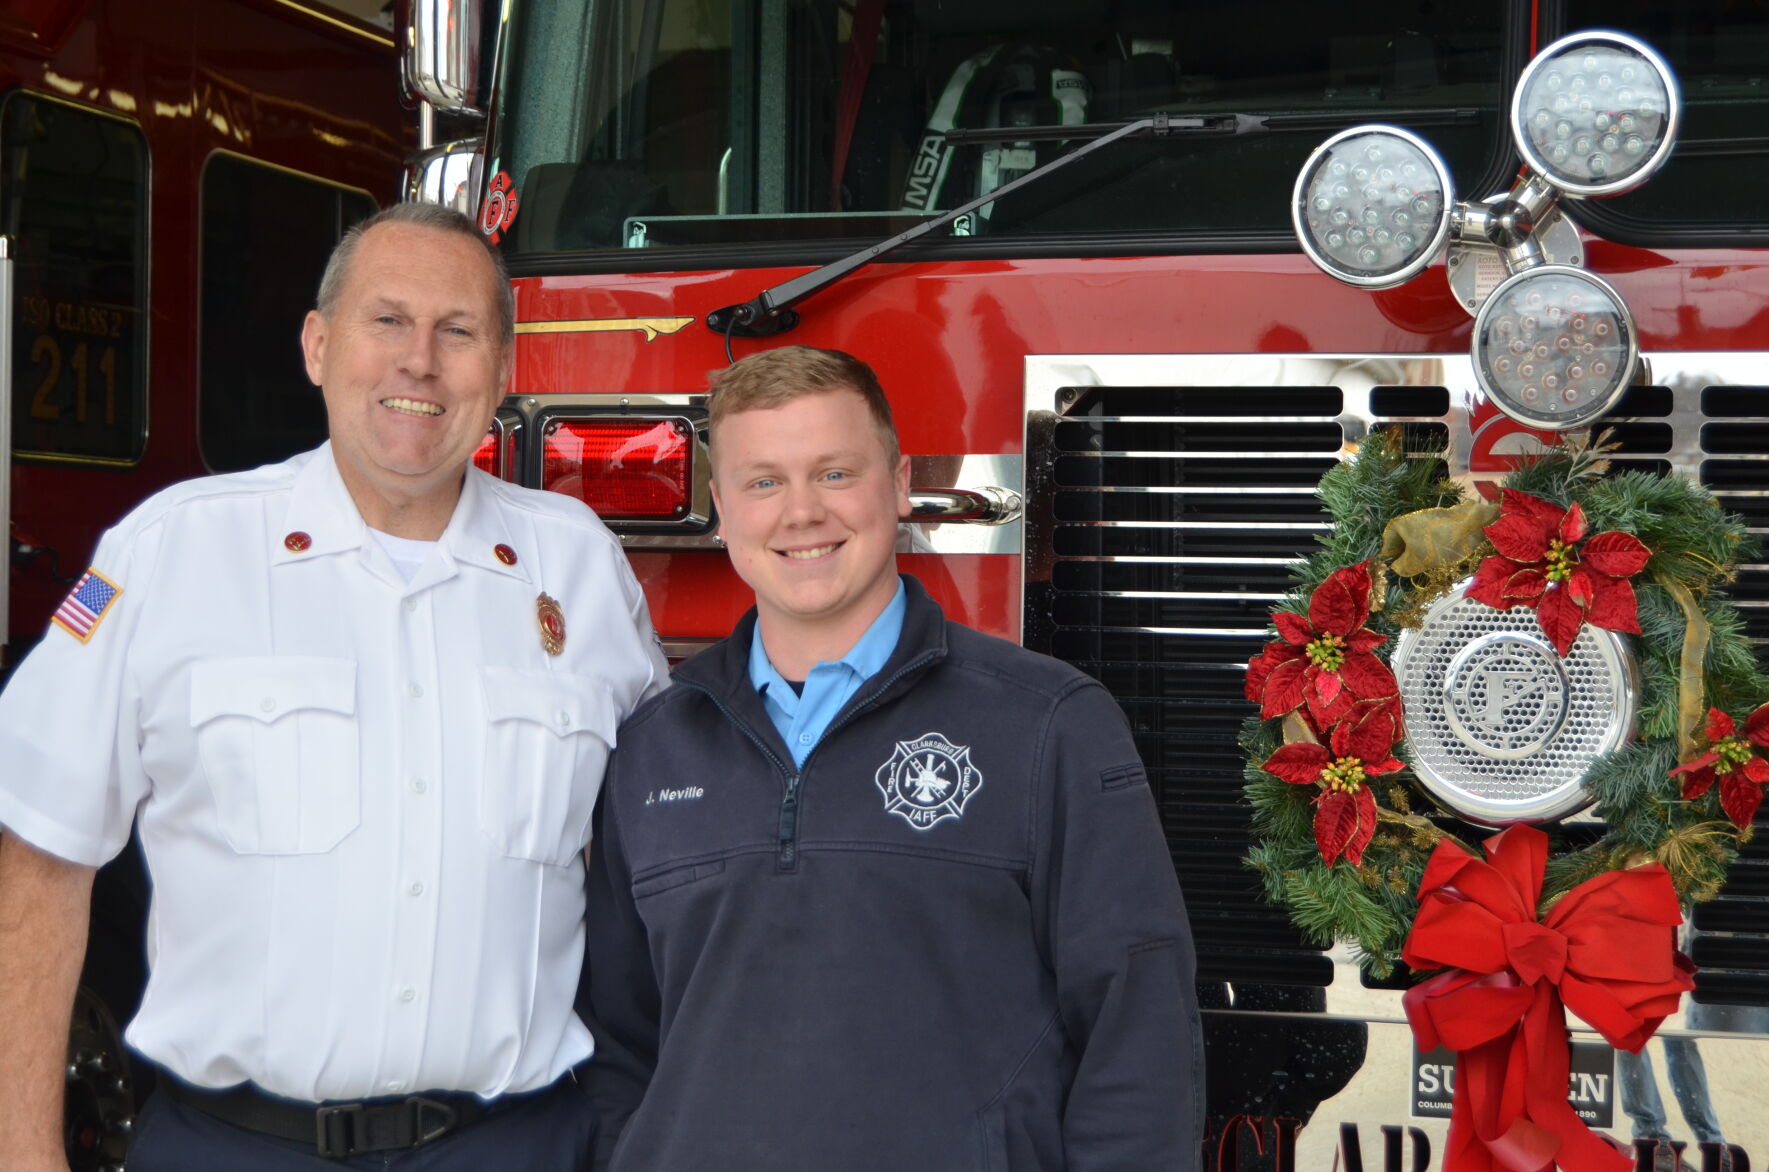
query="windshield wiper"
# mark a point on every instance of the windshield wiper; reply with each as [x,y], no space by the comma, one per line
[1207,125]
[770,311]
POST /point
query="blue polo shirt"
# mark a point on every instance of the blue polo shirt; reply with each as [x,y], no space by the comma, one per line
[803,718]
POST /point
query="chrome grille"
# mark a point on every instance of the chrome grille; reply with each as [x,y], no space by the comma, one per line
[1168,496]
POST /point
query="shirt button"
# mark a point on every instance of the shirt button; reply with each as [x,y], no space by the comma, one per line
[804,738]
[408,994]
[396,1086]
[416,690]
[416,889]
[565,720]
[419,785]
[267,705]
[411,604]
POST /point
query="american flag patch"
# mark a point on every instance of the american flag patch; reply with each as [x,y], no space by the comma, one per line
[84,607]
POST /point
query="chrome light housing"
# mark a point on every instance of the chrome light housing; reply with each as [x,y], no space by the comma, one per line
[1371,206]
[1596,113]
[1554,347]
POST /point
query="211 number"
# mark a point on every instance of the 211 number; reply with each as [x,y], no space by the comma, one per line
[47,350]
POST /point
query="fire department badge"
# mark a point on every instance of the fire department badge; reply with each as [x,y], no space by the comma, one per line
[927,779]
[552,623]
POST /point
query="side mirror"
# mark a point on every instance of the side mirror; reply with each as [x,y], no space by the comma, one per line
[444,54]
[449,173]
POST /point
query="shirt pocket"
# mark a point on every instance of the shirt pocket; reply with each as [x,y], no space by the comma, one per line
[547,741]
[277,739]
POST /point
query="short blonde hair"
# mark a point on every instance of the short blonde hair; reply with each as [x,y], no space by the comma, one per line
[775,378]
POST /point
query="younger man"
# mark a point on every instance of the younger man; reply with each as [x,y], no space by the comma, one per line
[871,890]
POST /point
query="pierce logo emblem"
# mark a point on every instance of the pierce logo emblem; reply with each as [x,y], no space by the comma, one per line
[928,779]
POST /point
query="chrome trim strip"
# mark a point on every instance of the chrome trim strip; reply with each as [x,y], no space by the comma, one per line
[1186,595]
[1286,454]
[985,490]
[1208,490]
[1321,526]
[1171,560]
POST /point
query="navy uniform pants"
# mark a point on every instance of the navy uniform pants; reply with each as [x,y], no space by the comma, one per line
[552,1132]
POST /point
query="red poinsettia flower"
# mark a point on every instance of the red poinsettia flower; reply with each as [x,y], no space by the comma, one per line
[1323,660]
[1546,562]
[1345,809]
[1733,760]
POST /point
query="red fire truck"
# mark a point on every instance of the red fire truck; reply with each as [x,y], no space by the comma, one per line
[172,176]
[1066,236]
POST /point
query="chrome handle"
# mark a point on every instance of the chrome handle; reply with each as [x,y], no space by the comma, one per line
[988,505]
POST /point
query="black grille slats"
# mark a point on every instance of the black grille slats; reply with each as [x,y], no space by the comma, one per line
[1176,514]
[1164,522]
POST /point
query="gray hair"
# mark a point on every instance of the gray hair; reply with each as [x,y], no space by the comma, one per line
[419,215]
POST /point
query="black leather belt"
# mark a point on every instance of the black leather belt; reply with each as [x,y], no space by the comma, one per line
[343,1129]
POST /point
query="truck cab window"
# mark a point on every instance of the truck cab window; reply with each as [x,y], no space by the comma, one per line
[647,123]
[73,194]
[266,235]
[1715,188]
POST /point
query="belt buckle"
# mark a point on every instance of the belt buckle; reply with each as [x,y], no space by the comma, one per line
[350,1129]
[334,1127]
[443,1125]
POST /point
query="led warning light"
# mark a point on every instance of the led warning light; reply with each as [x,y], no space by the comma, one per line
[1596,113]
[1554,347]
[626,469]
[1372,206]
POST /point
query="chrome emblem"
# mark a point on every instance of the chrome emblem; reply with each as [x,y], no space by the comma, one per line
[1505,695]
[1501,728]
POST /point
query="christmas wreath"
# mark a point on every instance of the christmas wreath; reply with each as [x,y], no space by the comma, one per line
[1342,829]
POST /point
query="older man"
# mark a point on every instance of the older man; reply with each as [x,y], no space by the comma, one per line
[359,705]
[872,891]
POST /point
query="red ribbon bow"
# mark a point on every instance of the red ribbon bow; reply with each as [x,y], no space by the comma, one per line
[1606,951]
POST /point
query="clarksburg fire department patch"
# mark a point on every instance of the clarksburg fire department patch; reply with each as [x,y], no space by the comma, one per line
[928,779]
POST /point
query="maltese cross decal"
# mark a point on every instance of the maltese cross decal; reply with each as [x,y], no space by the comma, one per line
[927,779]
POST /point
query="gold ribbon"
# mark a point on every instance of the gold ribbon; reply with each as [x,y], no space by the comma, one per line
[1691,706]
[1427,539]
[1296,730]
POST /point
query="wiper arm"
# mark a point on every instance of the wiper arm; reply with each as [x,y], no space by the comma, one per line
[771,312]
[1209,125]
[1191,125]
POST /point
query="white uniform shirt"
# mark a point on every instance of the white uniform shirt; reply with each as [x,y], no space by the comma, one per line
[363,802]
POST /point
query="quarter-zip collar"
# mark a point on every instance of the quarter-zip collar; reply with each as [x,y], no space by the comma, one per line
[722,670]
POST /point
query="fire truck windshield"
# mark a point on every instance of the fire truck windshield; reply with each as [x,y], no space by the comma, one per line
[651,124]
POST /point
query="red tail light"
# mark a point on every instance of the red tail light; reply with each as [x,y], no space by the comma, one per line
[485,456]
[625,469]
